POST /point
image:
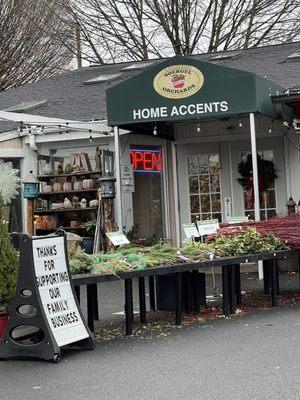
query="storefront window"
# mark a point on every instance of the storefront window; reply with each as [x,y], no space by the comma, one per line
[204,187]
[267,198]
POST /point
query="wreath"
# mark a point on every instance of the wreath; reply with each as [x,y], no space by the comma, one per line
[266,174]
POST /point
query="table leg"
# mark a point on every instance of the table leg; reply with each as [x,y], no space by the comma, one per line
[178,297]
[274,282]
[142,299]
[196,290]
[90,306]
[238,289]
[188,292]
[225,290]
[267,276]
[95,297]
[202,288]
[152,293]
[77,292]
[128,306]
[232,290]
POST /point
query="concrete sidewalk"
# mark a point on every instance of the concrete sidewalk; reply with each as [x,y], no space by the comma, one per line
[249,357]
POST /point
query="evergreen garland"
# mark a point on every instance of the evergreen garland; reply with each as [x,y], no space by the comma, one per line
[266,172]
[9,262]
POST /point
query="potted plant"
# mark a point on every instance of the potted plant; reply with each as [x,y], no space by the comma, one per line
[87,243]
[9,262]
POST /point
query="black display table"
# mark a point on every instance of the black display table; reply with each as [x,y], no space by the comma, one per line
[231,286]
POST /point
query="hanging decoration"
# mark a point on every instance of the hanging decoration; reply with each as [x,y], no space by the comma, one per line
[9,181]
[266,175]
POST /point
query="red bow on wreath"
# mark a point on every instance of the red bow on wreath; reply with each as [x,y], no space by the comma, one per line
[260,188]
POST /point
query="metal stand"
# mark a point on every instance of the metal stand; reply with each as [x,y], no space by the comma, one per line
[128,306]
[152,293]
[178,297]
[225,289]
[142,299]
[274,282]
[268,266]
[231,285]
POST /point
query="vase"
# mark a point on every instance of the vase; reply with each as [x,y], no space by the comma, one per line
[67,203]
[68,168]
[78,185]
[88,184]
[83,203]
[60,169]
[47,170]
[67,186]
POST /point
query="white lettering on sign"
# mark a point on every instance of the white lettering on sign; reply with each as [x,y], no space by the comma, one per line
[181,110]
[53,282]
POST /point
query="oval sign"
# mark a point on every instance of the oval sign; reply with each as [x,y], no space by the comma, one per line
[178,81]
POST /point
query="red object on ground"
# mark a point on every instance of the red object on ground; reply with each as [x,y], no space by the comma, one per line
[286,228]
[3,324]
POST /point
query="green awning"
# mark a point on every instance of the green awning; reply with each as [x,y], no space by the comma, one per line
[184,88]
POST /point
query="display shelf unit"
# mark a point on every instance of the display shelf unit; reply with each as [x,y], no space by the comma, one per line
[62,210]
[86,166]
[62,217]
[64,228]
[46,178]
[52,193]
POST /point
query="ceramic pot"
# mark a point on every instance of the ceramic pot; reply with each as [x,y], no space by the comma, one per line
[67,203]
[83,203]
[60,169]
[78,185]
[67,186]
[94,203]
[50,225]
[57,187]
[57,206]
[88,184]
[68,168]
[47,170]
[47,188]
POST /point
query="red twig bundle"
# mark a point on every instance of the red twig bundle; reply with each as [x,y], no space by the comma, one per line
[286,228]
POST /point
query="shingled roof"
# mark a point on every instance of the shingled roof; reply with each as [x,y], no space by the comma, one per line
[70,96]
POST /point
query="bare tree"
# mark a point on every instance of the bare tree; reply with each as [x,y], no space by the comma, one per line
[28,50]
[118,30]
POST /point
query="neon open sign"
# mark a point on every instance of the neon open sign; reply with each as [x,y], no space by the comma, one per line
[146,160]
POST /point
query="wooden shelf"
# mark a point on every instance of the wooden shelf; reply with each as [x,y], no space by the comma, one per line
[61,210]
[49,177]
[42,194]
[65,228]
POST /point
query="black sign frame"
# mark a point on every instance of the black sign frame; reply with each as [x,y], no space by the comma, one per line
[42,344]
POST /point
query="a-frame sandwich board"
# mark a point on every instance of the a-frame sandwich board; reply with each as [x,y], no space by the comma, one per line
[45,314]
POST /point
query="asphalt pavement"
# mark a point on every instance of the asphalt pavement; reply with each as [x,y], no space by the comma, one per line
[253,356]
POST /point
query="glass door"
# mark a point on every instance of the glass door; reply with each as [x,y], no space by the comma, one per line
[148,196]
[204,187]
